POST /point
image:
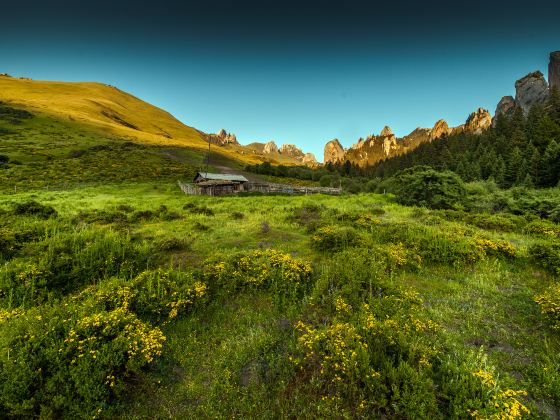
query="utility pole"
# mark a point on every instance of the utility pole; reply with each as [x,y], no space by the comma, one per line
[208,157]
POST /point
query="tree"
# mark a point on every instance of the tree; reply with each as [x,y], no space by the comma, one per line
[551,165]
[424,186]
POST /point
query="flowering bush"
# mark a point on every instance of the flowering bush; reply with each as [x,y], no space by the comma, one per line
[549,302]
[269,269]
[153,293]
[546,255]
[543,227]
[495,247]
[371,362]
[64,362]
[333,238]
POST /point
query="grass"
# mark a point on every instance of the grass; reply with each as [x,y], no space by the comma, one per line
[230,357]
[66,109]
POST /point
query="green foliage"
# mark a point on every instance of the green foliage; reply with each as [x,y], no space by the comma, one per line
[423,186]
[333,238]
[549,303]
[547,255]
[33,208]
[286,276]
[63,362]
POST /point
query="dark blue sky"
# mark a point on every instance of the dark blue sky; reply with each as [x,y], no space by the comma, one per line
[283,71]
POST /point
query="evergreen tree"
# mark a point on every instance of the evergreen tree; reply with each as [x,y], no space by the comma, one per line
[551,165]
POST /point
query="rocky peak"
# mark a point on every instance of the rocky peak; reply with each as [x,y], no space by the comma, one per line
[506,106]
[530,90]
[292,151]
[334,152]
[441,128]
[554,70]
[386,132]
[309,159]
[478,121]
[224,137]
[270,147]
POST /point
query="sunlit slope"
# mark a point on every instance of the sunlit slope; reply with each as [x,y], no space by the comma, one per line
[115,113]
[103,106]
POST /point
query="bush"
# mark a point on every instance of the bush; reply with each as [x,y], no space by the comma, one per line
[333,238]
[547,256]
[33,208]
[69,262]
[543,227]
[153,294]
[194,209]
[66,363]
[423,186]
[549,302]
[286,276]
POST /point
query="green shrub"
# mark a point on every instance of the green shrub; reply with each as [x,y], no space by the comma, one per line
[67,262]
[543,227]
[549,302]
[33,208]
[67,363]
[423,186]
[333,238]
[194,209]
[547,256]
[286,276]
[153,294]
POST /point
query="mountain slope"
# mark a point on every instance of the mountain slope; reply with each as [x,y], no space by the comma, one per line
[103,106]
[113,113]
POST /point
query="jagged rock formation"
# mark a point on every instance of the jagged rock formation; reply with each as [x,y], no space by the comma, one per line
[386,145]
[223,137]
[309,159]
[334,152]
[292,151]
[386,131]
[554,70]
[530,90]
[440,129]
[506,106]
[478,121]
[270,147]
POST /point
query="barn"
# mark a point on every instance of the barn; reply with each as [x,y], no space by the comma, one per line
[219,184]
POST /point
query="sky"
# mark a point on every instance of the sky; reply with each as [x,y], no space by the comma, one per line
[294,72]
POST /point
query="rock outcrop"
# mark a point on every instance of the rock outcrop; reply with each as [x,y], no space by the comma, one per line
[226,138]
[530,90]
[386,145]
[478,121]
[440,129]
[292,151]
[270,147]
[505,107]
[309,159]
[386,132]
[334,152]
[554,70]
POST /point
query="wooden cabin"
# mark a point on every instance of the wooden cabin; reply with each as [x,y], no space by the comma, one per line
[219,184]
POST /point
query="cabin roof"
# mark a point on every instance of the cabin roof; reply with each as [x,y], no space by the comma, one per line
[220,177]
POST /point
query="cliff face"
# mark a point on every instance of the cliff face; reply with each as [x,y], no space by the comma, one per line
[505,107]
[530,90]
[554,70]
[478,122]
[334,152]
[386,145]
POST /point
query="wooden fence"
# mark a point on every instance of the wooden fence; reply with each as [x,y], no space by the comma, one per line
[192,189]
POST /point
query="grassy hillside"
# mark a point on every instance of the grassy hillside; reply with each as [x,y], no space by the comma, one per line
[364,308]
[104,111]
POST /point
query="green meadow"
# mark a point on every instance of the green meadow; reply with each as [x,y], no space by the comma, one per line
[133,300]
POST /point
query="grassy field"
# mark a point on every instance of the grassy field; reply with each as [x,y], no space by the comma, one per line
[271,306]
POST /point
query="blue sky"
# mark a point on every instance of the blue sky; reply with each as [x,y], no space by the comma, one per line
[303,80]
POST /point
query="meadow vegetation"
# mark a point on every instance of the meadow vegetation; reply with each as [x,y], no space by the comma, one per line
[116,303]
